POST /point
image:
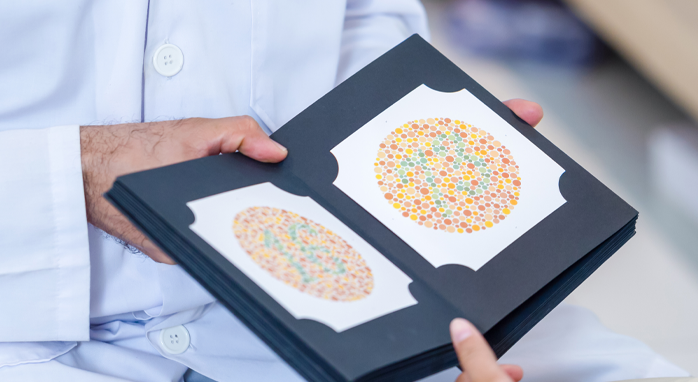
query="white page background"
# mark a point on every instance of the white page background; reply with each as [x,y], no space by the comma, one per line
[539,194]
[214,222]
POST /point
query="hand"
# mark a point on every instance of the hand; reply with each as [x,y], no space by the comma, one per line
[476,359]
[530,112]
[111,151]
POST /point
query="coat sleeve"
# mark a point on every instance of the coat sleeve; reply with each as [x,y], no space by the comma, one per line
[372,27]
[44,252]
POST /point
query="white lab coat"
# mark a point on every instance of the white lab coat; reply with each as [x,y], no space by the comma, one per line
[78,305]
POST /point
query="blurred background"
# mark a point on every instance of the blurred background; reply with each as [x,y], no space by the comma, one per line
[618,81]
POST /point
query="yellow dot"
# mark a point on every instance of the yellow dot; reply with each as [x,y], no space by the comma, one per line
[423,212]
[420,133]
[410,173]
[451,192]
[448,132]
[476,228]
[398,156]
[516,194]
[408,151]
[507,180]
[427,145]
[475,213]
[413,217]
[378,177]
[500,186]
[468,220]
[400,196]
[506,211]
[450,185]
[489,224]
[457,122]
[513,202]
[469,201]
[399,131]
[441,209]
[398,140]
[460,230]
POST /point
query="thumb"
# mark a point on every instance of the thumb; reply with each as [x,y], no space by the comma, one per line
[474,354]
[244,134]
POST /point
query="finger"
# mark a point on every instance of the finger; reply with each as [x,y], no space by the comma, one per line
[155,253]
[530,112]
[244,134]
[515,372]
[474,354]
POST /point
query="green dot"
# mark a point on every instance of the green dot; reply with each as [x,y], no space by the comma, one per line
[423,160]
[471,192]
[405,181]
[459,188]
[479,191]
[427,173]
[403,163]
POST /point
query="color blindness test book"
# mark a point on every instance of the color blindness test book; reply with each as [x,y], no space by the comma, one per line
[410,196]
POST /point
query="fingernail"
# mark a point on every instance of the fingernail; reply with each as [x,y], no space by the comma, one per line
[460,330]
[282,148]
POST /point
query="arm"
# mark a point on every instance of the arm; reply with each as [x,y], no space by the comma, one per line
[52,185]
[373,27]
[44,254]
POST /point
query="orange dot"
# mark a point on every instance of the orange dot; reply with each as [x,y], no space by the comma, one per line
[424,191]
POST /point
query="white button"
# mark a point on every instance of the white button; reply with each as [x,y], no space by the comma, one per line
[168,60]
[174,340]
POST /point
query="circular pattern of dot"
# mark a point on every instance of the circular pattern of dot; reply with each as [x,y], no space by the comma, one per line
[447,175]
[303,254]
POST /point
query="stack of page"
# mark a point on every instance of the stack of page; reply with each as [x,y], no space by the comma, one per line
[410,196]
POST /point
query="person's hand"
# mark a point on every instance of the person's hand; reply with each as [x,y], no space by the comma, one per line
[530,112]
[476,358]
[111,151]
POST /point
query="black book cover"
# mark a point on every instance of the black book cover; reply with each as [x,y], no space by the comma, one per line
[504,297]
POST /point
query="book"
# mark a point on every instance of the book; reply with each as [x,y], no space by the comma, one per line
[410,196]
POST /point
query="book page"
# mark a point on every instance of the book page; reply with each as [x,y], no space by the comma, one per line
[301,255]
[449,176]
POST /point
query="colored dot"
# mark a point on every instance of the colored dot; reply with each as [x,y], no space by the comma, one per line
[471,178]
